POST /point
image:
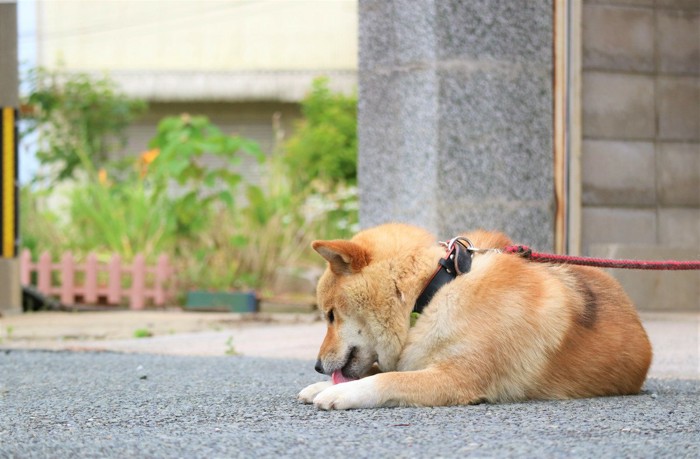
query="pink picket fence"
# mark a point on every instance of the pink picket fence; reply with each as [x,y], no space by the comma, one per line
[93,282]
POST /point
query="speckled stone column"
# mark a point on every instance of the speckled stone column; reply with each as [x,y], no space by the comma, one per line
[455,116]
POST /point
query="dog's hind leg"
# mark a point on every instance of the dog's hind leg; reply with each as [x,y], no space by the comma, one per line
[429,387]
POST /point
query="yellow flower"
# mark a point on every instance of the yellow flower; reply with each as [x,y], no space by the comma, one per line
[102,176]
[149,156]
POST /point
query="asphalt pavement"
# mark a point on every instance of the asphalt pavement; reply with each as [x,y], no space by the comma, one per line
[212,386]
[86,405]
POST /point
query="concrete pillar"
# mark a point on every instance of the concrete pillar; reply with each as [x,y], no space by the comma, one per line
[10,292]
[455,116]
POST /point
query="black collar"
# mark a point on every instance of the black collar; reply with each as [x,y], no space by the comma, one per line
[458,260]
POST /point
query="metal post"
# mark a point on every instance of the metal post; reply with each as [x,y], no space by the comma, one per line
[10,290]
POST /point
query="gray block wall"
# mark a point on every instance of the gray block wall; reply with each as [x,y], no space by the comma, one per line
[455,116]
[641,143]
[641,123]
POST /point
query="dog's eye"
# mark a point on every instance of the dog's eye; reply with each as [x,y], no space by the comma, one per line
[331,316]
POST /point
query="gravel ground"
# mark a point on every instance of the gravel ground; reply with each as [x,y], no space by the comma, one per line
[62,404]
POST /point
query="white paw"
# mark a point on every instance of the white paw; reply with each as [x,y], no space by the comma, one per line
[307,395]
[349,395]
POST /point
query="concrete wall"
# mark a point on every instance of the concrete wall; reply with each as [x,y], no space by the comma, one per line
[641,141]
[214,50]
[455,116]
[641,123]
[213,36]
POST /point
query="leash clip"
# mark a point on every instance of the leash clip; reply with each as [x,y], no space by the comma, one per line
[454,262]
[449,245]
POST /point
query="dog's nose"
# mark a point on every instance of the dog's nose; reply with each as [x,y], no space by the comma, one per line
[319,366]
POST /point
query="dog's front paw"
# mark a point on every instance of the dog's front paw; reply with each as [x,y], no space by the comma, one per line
[349,395]
[307,394]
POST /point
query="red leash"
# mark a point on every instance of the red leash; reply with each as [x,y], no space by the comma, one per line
[670,265]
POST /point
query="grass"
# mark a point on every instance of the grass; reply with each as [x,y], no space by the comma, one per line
[230,349]
[142,333]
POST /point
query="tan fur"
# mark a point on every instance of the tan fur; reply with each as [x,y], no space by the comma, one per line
[510,329]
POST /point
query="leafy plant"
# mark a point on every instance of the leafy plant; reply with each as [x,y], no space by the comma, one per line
[230,348]
[221,231]
[245,249]
[324,145]
[81,119]
[124,217]
[242,249]
[142,333]
[40,227]
[180,145]
[166,198]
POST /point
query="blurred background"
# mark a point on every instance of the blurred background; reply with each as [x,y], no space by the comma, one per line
[170,128]
[224,135]
[237,61]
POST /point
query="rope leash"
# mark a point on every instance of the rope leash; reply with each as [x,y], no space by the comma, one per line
[668,265]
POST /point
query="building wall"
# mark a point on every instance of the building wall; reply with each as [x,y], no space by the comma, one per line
[641,123]
[212,35]
[641,143]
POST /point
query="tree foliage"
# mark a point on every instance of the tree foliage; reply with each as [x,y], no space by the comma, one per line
[81,119]
[324,145]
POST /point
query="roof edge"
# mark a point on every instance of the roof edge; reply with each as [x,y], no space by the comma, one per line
[222,86]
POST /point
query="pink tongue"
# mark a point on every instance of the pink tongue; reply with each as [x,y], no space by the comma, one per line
[338,378]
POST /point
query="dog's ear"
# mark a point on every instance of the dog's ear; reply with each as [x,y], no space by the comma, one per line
[344,257]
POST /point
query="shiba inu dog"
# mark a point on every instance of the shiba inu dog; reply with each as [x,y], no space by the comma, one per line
[504,329]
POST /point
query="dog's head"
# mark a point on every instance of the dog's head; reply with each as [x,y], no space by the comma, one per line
[367,294]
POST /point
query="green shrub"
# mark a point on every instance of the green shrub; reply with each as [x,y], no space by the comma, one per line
[166,198]
[143,333]
[324,144]
[124,217]
[181,143]
[40,228]
[246,248]
[81,119]
[221,231]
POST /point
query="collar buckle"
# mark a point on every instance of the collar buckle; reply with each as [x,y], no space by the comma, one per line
[458,260]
